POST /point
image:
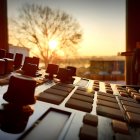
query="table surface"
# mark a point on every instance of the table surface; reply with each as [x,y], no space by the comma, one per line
[56,121]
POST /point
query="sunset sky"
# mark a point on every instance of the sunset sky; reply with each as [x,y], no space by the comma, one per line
[102,21]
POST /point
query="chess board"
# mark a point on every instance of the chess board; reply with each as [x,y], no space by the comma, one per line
[87,109]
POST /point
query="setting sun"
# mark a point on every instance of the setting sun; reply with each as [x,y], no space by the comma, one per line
[53,44]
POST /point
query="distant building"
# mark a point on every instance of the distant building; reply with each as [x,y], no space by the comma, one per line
[16,49]
[107,68]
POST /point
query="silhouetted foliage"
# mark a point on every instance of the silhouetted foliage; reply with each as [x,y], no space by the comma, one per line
[36,25]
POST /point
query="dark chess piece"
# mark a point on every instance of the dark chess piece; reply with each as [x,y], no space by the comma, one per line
[20,91]
[35,60]
[30,69]
[18,61]
[72,72]
[2,53]
[65,75]
[20,94]
[9,55]
[26,61]
[2,66]
[9,65]
[62,75]
[14,119]
[51,70]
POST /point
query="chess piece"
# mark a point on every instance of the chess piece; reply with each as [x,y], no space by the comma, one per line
[14,120]
[20,91]
[51,70]
[72,72]
[18,61]
[9,65]
[2,53]
[2,66]
[30,69]
[63,75]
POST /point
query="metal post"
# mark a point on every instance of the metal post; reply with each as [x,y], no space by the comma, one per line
[3,25]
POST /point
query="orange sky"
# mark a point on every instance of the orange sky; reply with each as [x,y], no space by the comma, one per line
[103,22]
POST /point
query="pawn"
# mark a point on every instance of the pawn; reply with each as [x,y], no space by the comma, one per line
[30,69]
[14,120]
[20,91]
[51,70]
[64,75]
[72,70]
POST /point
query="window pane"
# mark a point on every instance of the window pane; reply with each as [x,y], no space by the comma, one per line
[103,33]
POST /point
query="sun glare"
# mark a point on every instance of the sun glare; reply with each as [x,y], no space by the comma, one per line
[53,44]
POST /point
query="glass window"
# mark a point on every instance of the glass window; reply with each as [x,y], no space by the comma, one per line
[102,30]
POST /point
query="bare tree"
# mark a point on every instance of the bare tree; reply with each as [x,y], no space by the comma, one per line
[36,26]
